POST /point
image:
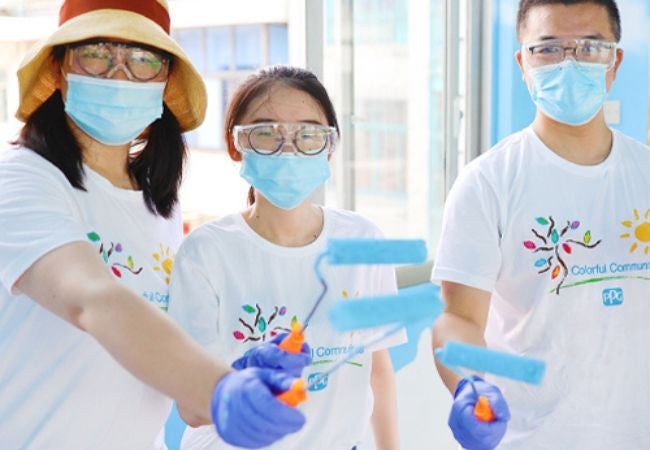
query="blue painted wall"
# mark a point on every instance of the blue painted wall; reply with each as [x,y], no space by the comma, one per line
[511,106]
[633,79]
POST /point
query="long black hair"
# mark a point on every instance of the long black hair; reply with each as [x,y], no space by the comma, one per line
[157,167]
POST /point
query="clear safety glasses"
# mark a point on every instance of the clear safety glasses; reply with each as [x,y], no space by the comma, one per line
[103,58]
[554,51]
[269,138]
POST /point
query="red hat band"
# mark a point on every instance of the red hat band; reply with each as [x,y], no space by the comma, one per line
[151,9]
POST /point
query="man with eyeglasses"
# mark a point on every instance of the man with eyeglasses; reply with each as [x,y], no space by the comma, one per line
[545,252]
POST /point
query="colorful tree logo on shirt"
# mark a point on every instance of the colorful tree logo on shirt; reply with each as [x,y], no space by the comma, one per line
[256,325]
[555,246]
[109,252]
[641,231]
[165,262]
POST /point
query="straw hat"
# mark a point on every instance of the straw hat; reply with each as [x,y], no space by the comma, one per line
[142,21]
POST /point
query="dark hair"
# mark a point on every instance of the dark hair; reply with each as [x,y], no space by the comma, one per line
[157,167]
[610,5]
[260,83]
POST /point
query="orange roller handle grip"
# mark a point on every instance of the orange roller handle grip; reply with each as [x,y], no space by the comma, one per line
[293,342]
[482,410]
[296,394]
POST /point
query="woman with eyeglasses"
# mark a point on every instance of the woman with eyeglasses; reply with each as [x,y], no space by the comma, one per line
[90,223]
[241,282]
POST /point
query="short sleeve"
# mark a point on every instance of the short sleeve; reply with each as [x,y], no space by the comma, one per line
[193,301]
[469,250]
[37,213]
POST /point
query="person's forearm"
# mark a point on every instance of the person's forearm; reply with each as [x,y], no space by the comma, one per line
[150,346]
[452,327]
[384,415]
[138,335]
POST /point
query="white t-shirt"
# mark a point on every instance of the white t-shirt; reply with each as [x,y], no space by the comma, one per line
[59,389]
[232,290]
[565,251]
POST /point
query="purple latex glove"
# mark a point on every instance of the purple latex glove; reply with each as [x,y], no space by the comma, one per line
[270,356]
[245,411]
[470,432]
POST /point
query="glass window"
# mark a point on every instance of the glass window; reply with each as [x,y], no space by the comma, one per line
[4,115]
[278,44]
[381,141]
[330,22]
[209,134]
[191,40]
[224,55]
[390,166]
[219,49]
[385,69]
[381,21]
[248,47]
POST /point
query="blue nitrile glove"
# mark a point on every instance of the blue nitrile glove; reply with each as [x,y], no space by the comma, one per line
[270,356]
[470,432]
[245,411]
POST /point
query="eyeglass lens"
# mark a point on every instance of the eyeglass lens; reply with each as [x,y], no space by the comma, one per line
[308,139]
[554,52]
[97,59]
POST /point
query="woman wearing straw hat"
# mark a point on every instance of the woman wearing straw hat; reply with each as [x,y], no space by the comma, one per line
[89,226]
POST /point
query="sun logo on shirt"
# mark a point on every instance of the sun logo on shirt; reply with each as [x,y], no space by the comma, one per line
[165,262]
[639,231]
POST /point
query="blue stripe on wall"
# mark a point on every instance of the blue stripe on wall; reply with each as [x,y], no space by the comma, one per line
[512,108]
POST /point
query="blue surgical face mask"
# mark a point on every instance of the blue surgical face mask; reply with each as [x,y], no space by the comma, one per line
[285,180]
[113,112]
[569,92]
